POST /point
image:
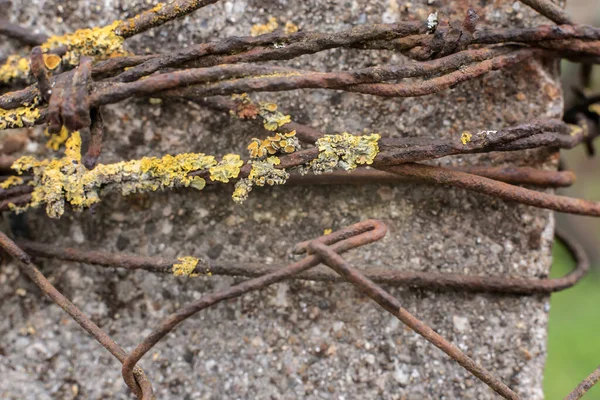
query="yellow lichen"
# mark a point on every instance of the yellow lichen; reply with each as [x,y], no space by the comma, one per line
[19,117]
[261,29]
[11,181]
[284,143]
[241,191]
[466,137]
[595,108]
[290,27]
[246,109]
[345,151]
[186,266]
[55,141]
[15,67]
[272,118]
[271,107]
[576,130]
[65,180]
[100,43]
[262,173]
[51,61]
[327,231]
[228,168]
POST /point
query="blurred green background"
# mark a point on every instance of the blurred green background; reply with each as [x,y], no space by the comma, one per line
[573,332]
[574,327]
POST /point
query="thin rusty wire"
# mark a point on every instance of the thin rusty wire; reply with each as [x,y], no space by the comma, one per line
[388,277]
[585,385]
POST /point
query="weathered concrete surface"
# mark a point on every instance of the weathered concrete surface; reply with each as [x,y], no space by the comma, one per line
[297,339]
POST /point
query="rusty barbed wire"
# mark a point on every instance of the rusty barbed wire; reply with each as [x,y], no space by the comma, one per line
[447,54]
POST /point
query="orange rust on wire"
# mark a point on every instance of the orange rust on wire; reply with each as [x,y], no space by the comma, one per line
[514,175]
[95,135]
[40,73]
[158,15]
[497,189]
[549,10]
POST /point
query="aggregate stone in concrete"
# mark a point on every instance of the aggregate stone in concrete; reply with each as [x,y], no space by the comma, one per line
[294,340]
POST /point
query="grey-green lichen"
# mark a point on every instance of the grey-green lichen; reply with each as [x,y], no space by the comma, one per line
[263,173]
[344,151]
[272,118]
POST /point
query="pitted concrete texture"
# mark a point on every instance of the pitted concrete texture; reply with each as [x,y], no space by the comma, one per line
[294,340]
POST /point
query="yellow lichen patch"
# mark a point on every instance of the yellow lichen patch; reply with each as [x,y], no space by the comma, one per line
[60,181]
[575,130]
[272,118]
[466,137]
[284,143]
[51,61]
[247,109]
[20,116]
[241,191]
[271,107]
[595,108]
[55,141]
[228,168]
[327,231]
[186,266]
[15,67]
[344,151]
[261,29]
[99,43]
[262,173]
[11,181]
[290,27]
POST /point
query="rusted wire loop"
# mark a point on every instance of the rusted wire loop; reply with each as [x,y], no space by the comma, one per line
[393,306]
[348,238]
